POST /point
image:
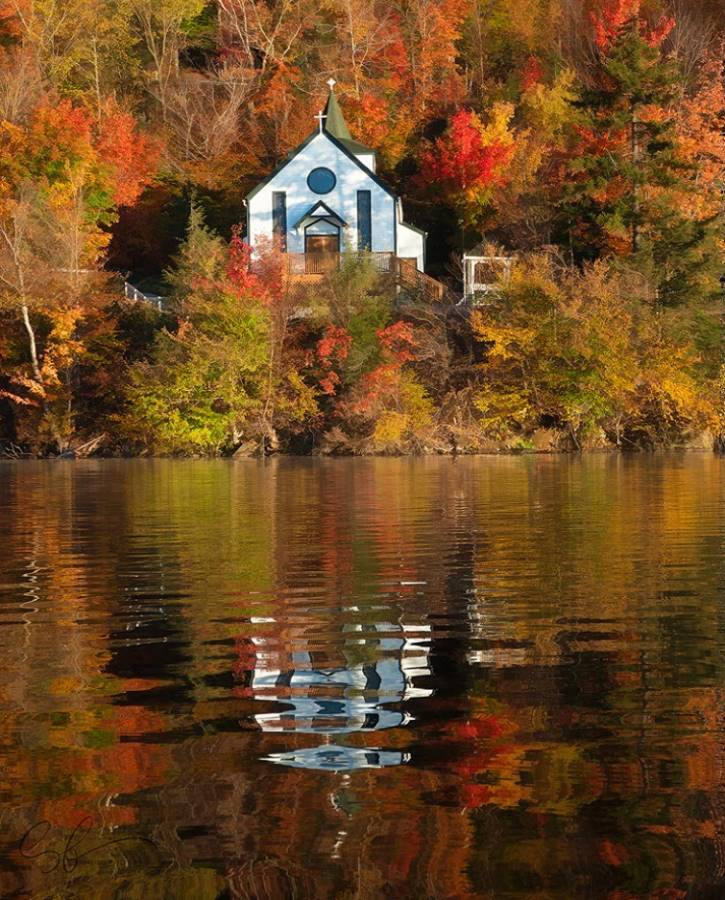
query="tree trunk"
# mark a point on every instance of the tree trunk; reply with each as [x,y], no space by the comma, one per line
[33,345]
[97,82]
[353,48]
[635,185]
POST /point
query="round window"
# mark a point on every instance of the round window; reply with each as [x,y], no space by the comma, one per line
[321,181]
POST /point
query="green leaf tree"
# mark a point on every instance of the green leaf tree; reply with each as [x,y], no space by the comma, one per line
[206,382]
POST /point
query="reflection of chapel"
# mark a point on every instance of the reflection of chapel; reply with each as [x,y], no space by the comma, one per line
[348,697]
[326,198]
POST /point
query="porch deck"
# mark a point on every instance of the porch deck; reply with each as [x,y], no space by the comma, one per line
[315,266]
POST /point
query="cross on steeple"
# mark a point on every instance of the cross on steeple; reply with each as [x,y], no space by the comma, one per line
[331,82]
[320,118]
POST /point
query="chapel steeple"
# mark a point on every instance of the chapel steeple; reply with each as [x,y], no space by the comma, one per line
[336,125]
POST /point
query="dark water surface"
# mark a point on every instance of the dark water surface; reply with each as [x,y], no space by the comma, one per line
[495,677]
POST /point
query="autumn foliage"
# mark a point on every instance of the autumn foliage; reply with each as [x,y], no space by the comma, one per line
[465,162]
[583,139]
[332,349]
[612,16]
[131,156]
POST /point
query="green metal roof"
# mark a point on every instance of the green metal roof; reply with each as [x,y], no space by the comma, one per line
[336,125]
[335,122]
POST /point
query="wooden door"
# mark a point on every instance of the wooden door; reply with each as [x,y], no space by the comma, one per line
[322,252]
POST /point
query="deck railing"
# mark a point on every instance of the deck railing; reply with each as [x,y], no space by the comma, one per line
[404,270]
[483,274]
[133,293]
[408,276]
[322,263]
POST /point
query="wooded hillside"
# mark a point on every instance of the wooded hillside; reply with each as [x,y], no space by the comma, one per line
[584,137]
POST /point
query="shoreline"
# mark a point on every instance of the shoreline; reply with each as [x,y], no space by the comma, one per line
[461,454]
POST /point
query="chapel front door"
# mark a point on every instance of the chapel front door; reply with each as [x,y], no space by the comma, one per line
[322,253]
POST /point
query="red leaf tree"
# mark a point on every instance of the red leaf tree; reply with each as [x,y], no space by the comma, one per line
[465,164]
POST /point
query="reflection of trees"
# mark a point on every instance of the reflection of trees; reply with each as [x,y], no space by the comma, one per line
[565,615]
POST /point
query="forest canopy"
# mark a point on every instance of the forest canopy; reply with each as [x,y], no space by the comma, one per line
[585,139]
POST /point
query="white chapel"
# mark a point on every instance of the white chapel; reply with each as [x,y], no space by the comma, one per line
[326,198]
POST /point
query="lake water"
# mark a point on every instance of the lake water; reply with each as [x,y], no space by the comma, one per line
[484,677]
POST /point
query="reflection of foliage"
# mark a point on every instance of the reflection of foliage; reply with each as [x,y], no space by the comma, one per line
[494,755]
[583,743]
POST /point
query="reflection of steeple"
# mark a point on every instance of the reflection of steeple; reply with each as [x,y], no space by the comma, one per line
[339,759]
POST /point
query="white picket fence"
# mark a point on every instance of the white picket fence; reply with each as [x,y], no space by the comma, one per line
[133,293]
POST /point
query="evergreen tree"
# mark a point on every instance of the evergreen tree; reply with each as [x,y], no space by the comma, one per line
[201,258]
[626,174]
